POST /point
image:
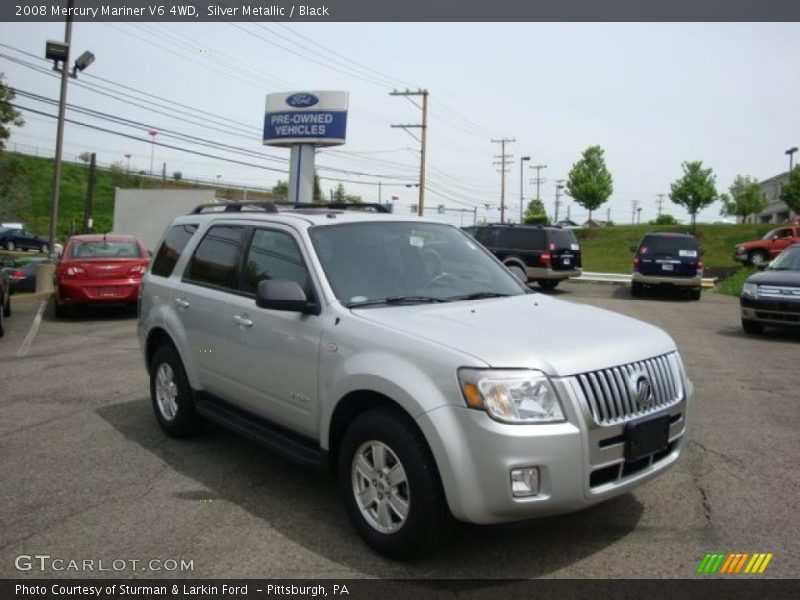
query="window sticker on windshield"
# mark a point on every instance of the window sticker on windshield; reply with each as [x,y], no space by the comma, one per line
[691,253]
[417,241]
[574,247]
[355,299]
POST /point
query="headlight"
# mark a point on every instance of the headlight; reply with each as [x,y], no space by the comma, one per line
[511,396]
[750,290]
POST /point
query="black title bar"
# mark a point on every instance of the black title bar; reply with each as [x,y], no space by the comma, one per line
[401,10]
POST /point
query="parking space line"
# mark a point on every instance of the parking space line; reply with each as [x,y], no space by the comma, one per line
[37,320]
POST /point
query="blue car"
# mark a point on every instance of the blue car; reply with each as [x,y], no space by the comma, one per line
[667,260]
[21,273]
[12,239]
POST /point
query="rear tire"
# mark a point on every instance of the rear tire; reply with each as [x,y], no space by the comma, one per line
[518,273]
[7,306]
[548,284]
[171,394]
[2,323]
[376,493]
[637,289]
[752,326]
[695,294]
[61,311]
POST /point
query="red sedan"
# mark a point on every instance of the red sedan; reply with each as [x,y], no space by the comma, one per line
[100,269]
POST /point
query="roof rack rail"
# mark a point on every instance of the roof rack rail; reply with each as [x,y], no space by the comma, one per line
[374,206]
[262,205]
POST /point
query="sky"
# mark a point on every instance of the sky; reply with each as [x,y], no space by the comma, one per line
[651,95]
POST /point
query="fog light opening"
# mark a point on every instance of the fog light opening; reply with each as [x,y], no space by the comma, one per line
[524,482]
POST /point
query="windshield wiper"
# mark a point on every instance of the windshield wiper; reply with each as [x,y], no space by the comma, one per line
[479,296]
[396,300]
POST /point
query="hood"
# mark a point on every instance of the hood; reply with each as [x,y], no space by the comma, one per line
[786,278]
[531,331]
[753,244]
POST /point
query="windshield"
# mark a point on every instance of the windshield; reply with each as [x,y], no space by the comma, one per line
[788,260]
[370,263]
[104,250]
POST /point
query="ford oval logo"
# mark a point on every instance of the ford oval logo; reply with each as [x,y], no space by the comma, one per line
[302,100]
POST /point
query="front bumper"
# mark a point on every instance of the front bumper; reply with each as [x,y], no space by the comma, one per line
[666,280]
[475,455]
[92,291]
[769,311]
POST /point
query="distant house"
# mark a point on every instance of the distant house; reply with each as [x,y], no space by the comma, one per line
[594,223]
[776,211]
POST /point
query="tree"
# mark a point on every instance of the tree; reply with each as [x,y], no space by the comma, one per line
[590,183]
[281,188]
[746,198]
[695,190]
[535,213]
[790,191]
[339,194]
[664,219]
[9,116]
[85,156]
[177,175]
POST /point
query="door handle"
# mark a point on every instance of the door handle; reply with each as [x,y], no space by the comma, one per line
[181,303]
[243,320]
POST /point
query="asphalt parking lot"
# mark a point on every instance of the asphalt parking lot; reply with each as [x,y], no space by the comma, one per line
[87,473]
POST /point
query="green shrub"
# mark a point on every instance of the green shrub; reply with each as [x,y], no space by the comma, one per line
[732,286]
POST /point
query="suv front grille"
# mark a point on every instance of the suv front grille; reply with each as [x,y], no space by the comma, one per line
[610,399]
[778,292]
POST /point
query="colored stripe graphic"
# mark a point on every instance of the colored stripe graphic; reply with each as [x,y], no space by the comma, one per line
[733,563]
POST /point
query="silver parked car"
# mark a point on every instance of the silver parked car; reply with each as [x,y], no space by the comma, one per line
[403,355]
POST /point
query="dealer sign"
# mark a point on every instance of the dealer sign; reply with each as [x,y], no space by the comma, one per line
[312,117]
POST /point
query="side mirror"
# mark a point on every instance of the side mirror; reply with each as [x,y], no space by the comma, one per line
[774,237]
[286,295]
[150,254]
[762,266]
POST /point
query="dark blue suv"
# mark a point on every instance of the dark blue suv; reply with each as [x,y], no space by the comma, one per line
[668,259]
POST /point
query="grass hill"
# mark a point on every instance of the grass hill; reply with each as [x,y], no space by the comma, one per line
[26,189]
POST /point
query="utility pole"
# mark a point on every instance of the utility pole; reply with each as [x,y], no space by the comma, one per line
[608,215]
[660,203]
[87,204]
[635,205]
[521,193]
[62,107]
[505,159]
[538,179]
[422,139]
[559,187]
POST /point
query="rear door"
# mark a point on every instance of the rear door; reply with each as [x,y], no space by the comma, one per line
[201,298]
[565,252]
[669,256]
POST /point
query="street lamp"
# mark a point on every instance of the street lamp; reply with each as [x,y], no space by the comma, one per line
[521,195]
[152,133]
[58,52]
[791,152]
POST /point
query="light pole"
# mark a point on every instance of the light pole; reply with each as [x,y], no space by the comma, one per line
[152,133]
[791,152]
[58,52]
[521,195]
[127,165]
[559,186]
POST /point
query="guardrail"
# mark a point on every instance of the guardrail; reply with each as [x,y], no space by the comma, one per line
[625,278]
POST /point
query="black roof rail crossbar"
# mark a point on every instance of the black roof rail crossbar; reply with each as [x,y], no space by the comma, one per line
[264,205]
[336,205]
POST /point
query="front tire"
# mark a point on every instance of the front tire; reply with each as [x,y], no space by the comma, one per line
[757,258]
[518,273]
[752,326]
[390,485]
[2,323]
[7,306]
[171,394]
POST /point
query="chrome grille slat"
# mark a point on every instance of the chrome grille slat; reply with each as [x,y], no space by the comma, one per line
[608,397]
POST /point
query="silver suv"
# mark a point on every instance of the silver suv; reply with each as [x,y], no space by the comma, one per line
[402,355]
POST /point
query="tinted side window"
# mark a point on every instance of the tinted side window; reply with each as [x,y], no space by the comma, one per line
[171,249]
[487,236]
[217,255]
[274,255]
[522,239]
